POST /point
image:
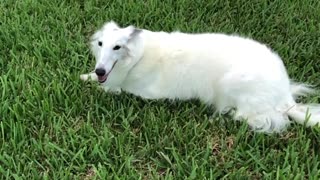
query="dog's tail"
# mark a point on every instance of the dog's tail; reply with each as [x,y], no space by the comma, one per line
[308,114]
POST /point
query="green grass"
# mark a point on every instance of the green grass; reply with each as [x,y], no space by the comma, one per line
[53,126]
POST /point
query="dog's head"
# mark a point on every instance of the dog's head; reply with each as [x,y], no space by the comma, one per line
[114,47]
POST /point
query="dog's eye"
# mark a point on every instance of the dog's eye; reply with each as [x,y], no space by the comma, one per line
[116,47]
[100,43]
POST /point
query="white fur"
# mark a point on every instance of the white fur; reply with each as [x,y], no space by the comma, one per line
[227,71]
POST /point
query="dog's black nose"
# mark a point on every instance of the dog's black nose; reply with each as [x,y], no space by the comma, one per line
[100,72]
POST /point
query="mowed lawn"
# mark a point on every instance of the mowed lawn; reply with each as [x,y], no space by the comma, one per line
[53,126]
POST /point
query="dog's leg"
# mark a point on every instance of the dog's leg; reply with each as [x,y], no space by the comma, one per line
[89,76]
[116,90]
[111,90]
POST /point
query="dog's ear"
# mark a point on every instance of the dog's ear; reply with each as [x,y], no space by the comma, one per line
[111,25]
[134,33]
[131,33]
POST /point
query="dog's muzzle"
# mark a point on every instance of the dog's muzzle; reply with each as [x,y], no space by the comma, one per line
[102,74]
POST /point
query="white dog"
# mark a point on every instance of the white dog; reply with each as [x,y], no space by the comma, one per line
[227,71]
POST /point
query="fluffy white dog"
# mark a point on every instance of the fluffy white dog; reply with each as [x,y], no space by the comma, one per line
[227,71]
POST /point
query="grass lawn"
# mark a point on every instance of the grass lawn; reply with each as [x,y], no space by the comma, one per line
[53,126]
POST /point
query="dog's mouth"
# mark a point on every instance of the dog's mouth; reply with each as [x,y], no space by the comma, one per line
[102,79]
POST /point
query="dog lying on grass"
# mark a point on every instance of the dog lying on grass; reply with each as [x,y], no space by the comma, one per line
[227,71]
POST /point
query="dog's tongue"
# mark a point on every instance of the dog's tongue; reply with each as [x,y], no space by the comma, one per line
[102,79]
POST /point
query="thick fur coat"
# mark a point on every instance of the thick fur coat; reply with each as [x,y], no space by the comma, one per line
[227,71]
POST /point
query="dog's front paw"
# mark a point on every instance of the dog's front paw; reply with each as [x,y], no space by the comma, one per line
[111,90]
[116,90]
[84,77]
[105,88]
[90,76]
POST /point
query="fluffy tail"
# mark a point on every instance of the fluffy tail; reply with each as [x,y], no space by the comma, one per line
[308,114]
